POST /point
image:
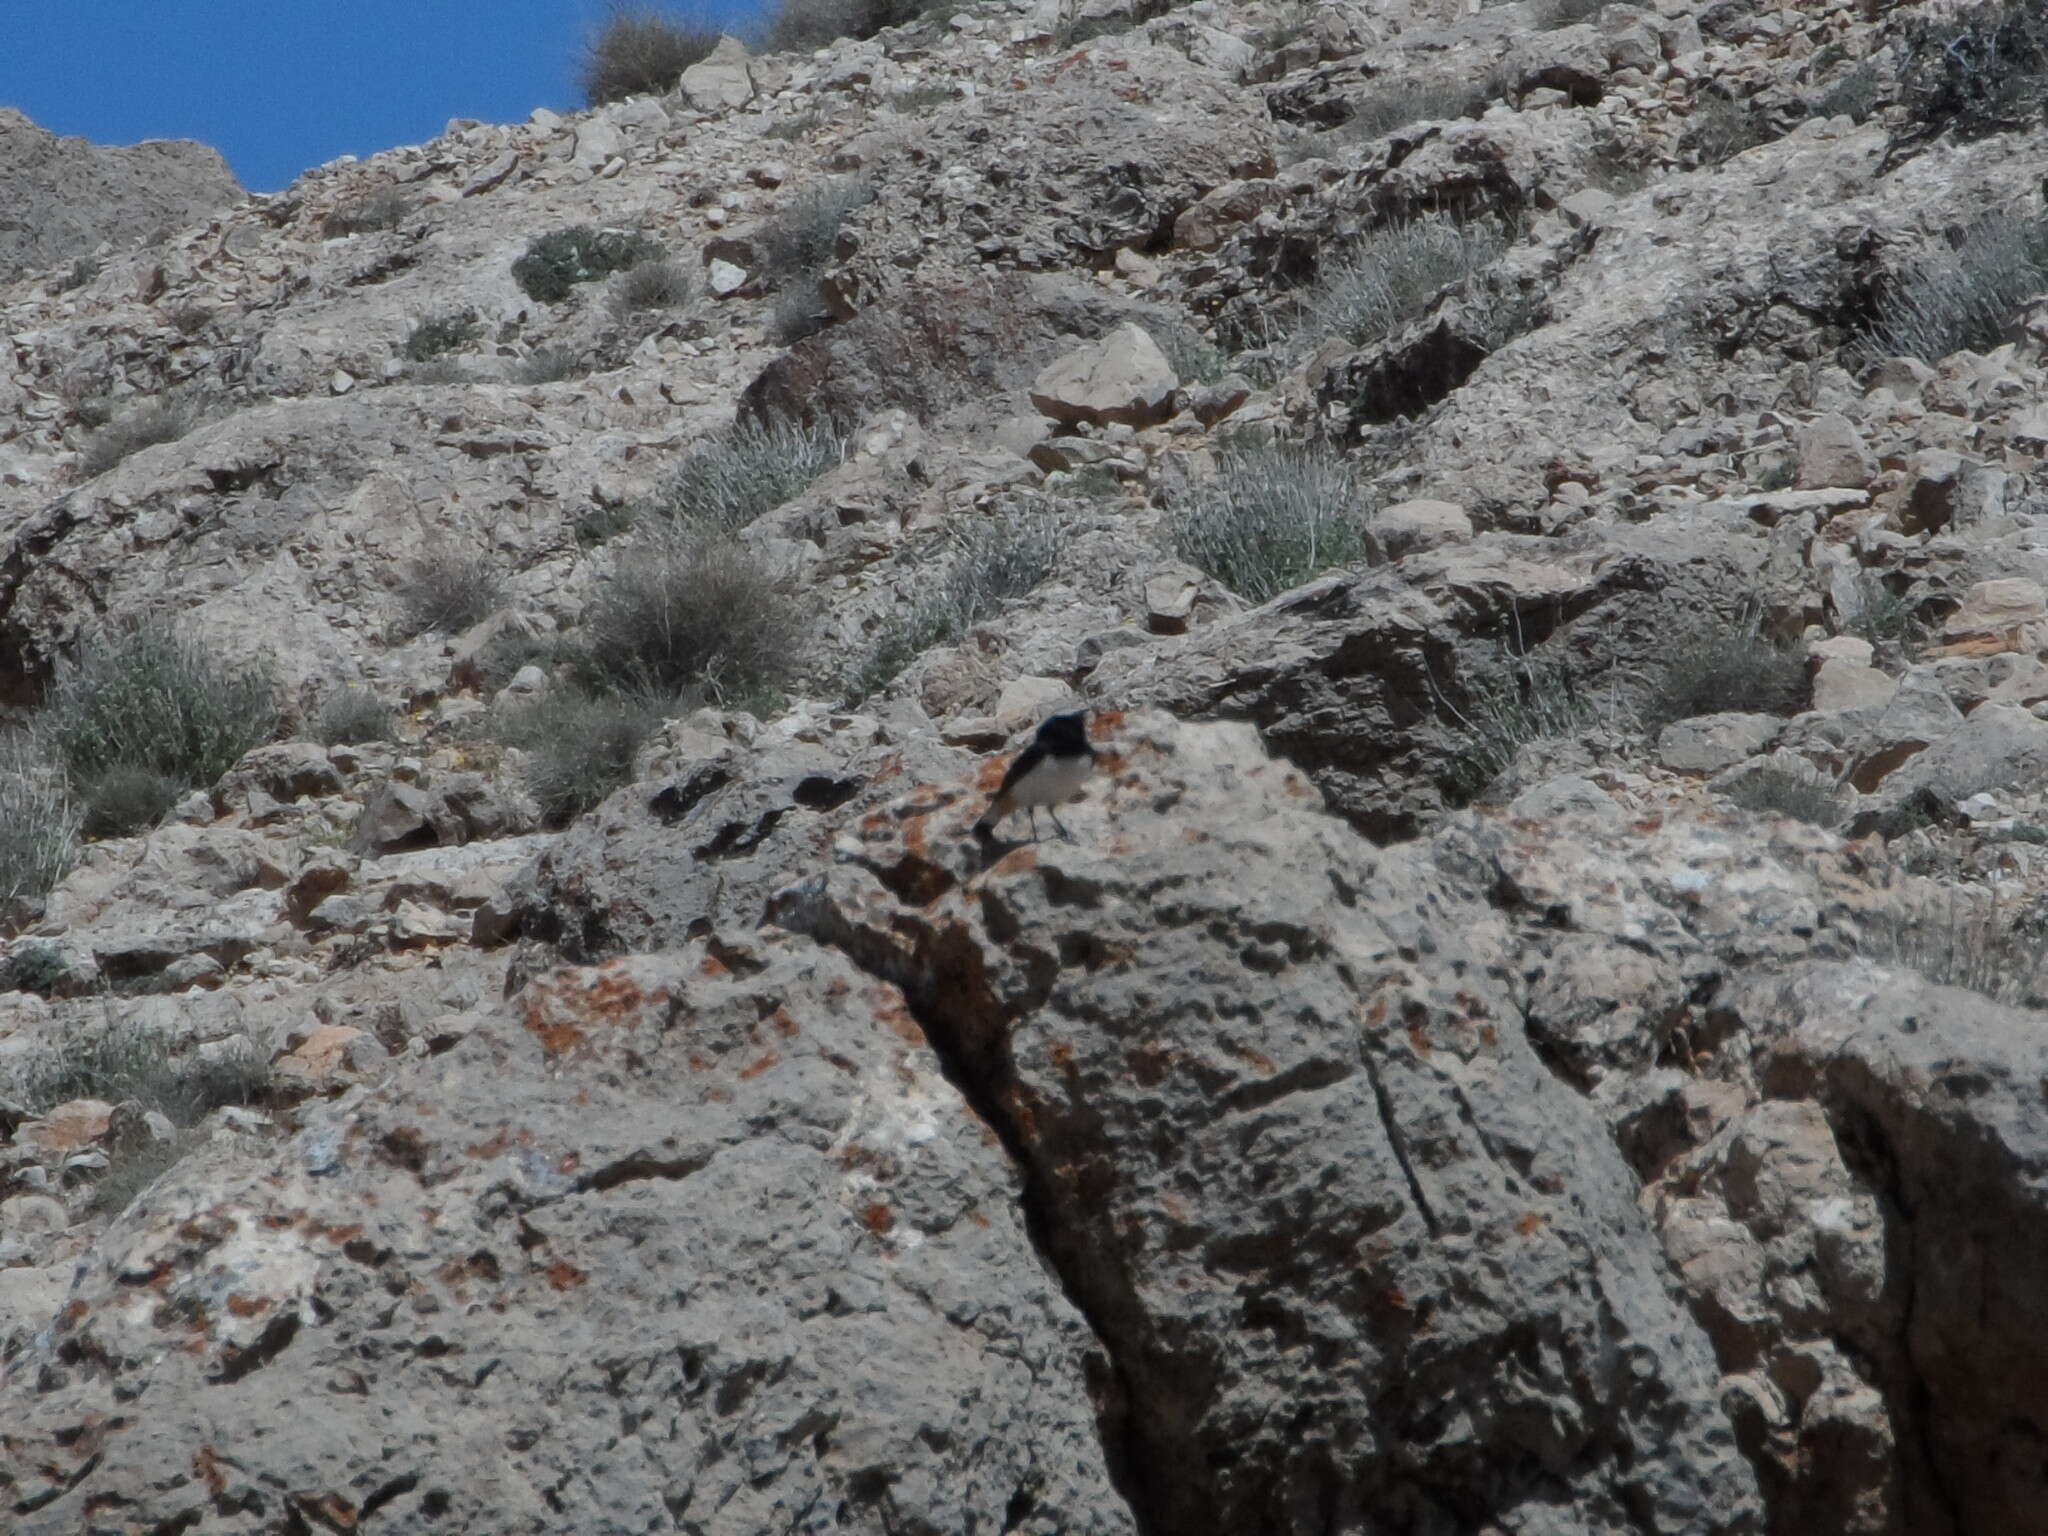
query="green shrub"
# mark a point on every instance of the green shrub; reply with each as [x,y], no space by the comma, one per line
[40,823]
[804,26]
[447,591]
[1390,277]
[550,365]
[1720,667]
[601,523]
[151,696]
[127,798]
[1978,71]
[442,334]
[144,426]
[1390,107]
[580,747]
[350,715]
[1971,940]
[640,52]
[1195,358]
[1531,699]
[555,263]
[1887,619]
[1781,792]
[731,479]
[1722,128]
[1961,297]
[38,968]
[990,562]
[119,1059]
[385,209]
[1274,515]
[799,241]
[652,285]
[692,611]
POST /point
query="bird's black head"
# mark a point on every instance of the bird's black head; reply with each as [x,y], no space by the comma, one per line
[1065,735]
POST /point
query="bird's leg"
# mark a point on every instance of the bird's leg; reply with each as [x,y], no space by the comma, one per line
[1055,815]
[1032,812]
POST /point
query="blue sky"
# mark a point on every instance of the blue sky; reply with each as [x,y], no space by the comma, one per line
[281,85]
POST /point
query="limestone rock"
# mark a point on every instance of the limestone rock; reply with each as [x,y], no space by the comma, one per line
[721,81]
[1410,526]
[1709,743]
[1832,452]
[1122,378]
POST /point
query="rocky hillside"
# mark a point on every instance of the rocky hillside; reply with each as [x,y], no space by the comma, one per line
[64,198]
[1537,1028]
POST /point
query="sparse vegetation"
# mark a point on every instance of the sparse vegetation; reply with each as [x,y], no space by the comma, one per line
[1963,296]
[798,125]
[640,52]
[446,590]
[580,746]
[555,263]
[1887,619]
[151,701]
[1782,792]
[352,714]
[1971,72]
[1722,666]
[441,334]
[1552,14]
[40,823]
[1530,699]
[1415,101]
[1972,940]
[117,1059]
[691,610]
[385,209]
[1389,278]
[38,968]
[143,426]
[920,99]
[1274,515]
[126,799]
[550,365]
[745,471]
[602,522]
[189,319]
[1195,358]
[439,370]
[1858,95]
[799,241]
[651,286]
[799,312]
[991,561]
[804,26]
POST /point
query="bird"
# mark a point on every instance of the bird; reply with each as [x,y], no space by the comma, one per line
[1049,772]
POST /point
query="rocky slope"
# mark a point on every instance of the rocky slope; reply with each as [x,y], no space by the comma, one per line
[1535,1031]
[65,197]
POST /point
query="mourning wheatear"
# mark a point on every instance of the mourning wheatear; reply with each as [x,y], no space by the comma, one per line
[1049,772]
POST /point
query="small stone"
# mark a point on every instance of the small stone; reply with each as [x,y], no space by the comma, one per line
[1122,378]
[1709,743]
[1832,453]
[1409,527]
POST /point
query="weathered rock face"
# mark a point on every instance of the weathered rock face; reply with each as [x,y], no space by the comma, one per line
[1295,1158]
[64,196]
[559,1279]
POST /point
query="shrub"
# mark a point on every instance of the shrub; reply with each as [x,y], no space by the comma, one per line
[152,422]
[692,611]
[1552,14]
[601,522]
[446,591]
[1781,792]
[580,747]
[151,696]
[1887,619]
[37,968]
[652,285]
[803,26]
[39,824]
[441,334]
[747,470]
[1195,358]
[799,312]
[352,714]
[127,798]
[119,1059]
[385,209]
[116,1189]
[798,125]
[1857,95]
[1532,699]
[1971,940]
[640,52]
[550,365]
[82,271]
[799,241]
[992,560]
[1274,514]
[190,319]
[1718,667]
[1979,71]
[439,370]
[1421,101]
[1389,277]
[555,263]
[1962,297]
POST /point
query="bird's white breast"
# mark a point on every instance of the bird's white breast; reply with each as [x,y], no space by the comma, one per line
[1053,782]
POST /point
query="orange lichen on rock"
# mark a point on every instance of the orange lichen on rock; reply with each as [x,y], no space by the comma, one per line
[755,1068]
[247,1306]
[564,1276]
[878,1218]
[560,1010]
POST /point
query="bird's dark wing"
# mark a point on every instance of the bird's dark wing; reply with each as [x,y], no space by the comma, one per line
[1020,765]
